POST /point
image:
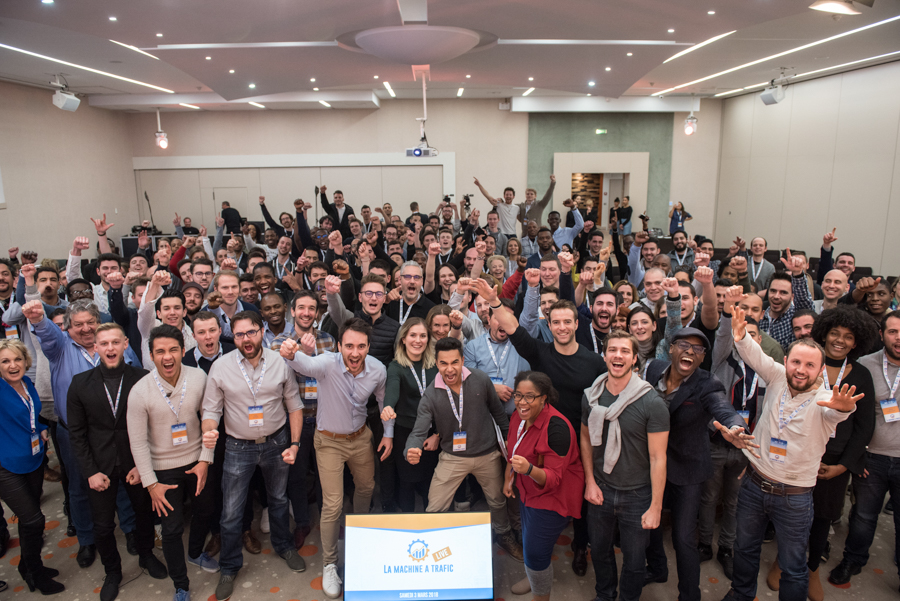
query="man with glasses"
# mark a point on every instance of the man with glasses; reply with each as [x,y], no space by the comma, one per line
[412,303]
[262,396]
[693,396]
[202,273]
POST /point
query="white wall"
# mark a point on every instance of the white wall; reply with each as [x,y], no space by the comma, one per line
[827,156]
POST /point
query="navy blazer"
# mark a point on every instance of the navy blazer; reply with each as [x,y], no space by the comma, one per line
[698,399]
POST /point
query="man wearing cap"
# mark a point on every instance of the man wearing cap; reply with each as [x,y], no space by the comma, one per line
[693,396]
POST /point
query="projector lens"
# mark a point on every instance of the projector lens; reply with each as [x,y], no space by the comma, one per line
[417,152]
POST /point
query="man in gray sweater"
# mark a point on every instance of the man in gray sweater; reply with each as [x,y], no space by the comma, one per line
[469,438]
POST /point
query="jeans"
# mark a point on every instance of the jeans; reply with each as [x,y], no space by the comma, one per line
[540,529]
[79,503]
[792,516]
[625,227]
[728,463]
[297,491]
[103,512]
[684,501]
[884,477]
[22,492]
[625,508]
[241,459]
[173,524]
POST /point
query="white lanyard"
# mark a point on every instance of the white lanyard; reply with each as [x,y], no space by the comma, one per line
[247,378]
[755,272]
[593,337]
[403,317]
[887,381]
[782,423]
[839,378]
[420,384]
[91,360]
[280,269]
[162,391]
[682,259]
[520,435]
[457,414]
[747,395]
[318,324]
[30,405]
[114,407]
[505,352]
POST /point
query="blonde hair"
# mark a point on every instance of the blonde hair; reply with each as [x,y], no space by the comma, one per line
[16,346]
[493,258]
[400,355]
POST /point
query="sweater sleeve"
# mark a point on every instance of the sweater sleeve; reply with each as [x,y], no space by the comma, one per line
[139,436]
[424,418]
[392,386]
[758,361]
[854,455]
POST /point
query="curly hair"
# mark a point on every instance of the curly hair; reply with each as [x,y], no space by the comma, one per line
[861,324]
[542,382]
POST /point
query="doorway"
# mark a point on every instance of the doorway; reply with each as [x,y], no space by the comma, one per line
[589,186]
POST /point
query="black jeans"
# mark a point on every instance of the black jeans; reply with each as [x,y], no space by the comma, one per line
[173,524]
[103,510]
[684,501]
[298,484]
[22,492]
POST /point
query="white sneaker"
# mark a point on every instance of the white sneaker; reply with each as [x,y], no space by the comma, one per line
[264,521]
[461,506]
[331,582]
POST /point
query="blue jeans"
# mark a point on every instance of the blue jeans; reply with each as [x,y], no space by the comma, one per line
[624,507]
[625,227]
[540,529]
[241,459]
[884,477]
[792,516]
[684,501]
[79,503]
[297,479]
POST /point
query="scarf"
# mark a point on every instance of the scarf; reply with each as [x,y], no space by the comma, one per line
[635,389]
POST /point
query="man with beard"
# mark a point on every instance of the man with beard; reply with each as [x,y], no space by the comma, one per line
[793,429]
[372,294]
[544,248]
[802,323]
[752,305]
[338,211]
[412,303]
[592,330]
[282,261]
[682,255]
[555,271]
[43,281]
[202,273]
[284,226]
[6,291]
[571,368]
[99,436]
[640,257]
[347,379]
[272,310]
[71,352]
[761,271]
[162,306]
[257,435]
[834,286]
[529,238]
[248,292]
[693,397]
[225,301]
[786,294]
[193,298]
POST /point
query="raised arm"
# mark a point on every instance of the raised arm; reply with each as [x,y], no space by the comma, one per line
[799,285]
[73,265]
[339,314]
[709,312]
[434,249]
[102,227]
[268,217]
[751,352]
[486,194]
[542,203]
[529,317]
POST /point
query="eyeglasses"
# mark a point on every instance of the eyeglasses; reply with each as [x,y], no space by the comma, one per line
[247,334]
[202,274]
[411,278]
[322,235]
[528,399]
[376,294]
[684,345]
[85,293]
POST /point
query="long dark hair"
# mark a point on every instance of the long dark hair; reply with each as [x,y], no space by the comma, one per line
[541,381]
[657,334]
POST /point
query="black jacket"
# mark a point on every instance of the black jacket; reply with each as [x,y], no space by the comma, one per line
[99,439]
[339,224]
[126,317]
[190,359]
[699,399]
[384,335]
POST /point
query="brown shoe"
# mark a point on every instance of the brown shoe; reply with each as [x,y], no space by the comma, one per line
[251,543]
[300,534]
[774,577]
[214,545]
[51,475]
[816,592]
[508,543]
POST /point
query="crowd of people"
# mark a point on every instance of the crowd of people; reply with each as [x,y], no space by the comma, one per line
[561,370]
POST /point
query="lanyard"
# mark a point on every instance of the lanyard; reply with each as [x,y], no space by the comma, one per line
[30,405]
[318,324]
[682,259]
[593,337]
[457,414]
[162,391]
[747,395]
[281,269]
[403,317]
[114,407]
[887,381]
[505,352]
[247,378]
[91,360]
[755,272]
[840,375]
[520,435]
[782,423]
[421,384]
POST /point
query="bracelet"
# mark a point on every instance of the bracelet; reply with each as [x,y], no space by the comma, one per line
[497,307]
[295,443]
[456,327]
[530,467]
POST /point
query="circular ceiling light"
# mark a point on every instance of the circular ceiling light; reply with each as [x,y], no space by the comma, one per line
[416,44]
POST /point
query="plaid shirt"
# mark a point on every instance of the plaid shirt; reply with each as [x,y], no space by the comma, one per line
[781,329]
[325,343]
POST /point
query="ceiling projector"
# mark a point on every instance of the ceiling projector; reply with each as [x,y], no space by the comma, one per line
[65,100]
[421,151]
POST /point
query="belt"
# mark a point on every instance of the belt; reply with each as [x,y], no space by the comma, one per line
[263,439]
[775,488]
[350,436]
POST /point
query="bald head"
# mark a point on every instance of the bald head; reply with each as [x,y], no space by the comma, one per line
[752,305]
[835,284]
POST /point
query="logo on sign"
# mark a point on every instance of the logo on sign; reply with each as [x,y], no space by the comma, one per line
[418,550]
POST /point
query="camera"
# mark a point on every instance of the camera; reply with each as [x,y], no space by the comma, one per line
[467,202]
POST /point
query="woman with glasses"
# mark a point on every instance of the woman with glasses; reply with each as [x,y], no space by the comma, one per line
[21,463]
[408,375]
[545,468]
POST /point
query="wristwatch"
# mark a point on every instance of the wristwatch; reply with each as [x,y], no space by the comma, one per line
[295,443]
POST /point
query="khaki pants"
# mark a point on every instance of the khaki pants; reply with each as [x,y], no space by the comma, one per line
[487,469]
[331,455]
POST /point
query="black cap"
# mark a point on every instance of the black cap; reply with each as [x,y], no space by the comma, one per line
[691,332]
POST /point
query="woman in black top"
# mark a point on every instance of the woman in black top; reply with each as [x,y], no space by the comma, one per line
[408,375]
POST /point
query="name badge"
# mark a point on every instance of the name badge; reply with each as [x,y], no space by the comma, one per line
[311,389]
[179,434]
[459,441]
[12,333]
[255,414]
[890,410]
[745,415]
[497,380]
[777,450]
[36,444]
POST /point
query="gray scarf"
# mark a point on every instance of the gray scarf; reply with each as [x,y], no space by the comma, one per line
[635,389]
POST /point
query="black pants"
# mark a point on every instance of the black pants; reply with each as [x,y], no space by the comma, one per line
[385,471]
[22,492]
[103,510]
[214,481]
[64,475]
[202,507]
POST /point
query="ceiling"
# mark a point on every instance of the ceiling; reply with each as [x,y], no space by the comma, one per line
[280,46]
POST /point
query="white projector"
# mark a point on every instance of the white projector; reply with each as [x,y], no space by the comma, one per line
[772,95]
[418,151]
[66,101]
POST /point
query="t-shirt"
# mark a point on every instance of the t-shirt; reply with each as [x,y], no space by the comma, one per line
[648,414]
[886,439]
[507,214]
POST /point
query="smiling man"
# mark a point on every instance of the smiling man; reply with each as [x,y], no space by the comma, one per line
[272,309]
[162,307]
[412,303]
[787,293]
[592,332]
[225,301]
[834,285]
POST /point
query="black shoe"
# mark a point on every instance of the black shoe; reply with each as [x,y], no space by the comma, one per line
[49,572]
[726,558]
[655,578]
[43,583]
[154,567]
[842,573]
[826,552]
[705,552]
[4,542]
[579,562]
[131,544]
[769,536]
[889,507]
[86,556]
[70,530]
[110,589]
[3,586]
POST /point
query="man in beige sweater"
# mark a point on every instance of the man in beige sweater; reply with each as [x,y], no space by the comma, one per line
[166,442]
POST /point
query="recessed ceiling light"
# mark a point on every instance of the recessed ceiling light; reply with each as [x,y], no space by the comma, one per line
[697,46]
[376,77]
[313,79]
[315,89]
[588,94]
[592,83]
[459,92]
[231,70]
[252,86]
[113,19]
[468,77]
[189,106]
[671,31]
[530,79]
[47,1]
[528,91]
[387,86]
[710,12]
[256,104]
[838,7]
[629,54]
[159,35]
[130,47]
[609,68]
[209,58]
[323,103]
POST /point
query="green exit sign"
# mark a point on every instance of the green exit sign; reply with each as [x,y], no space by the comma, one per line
[599,131]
